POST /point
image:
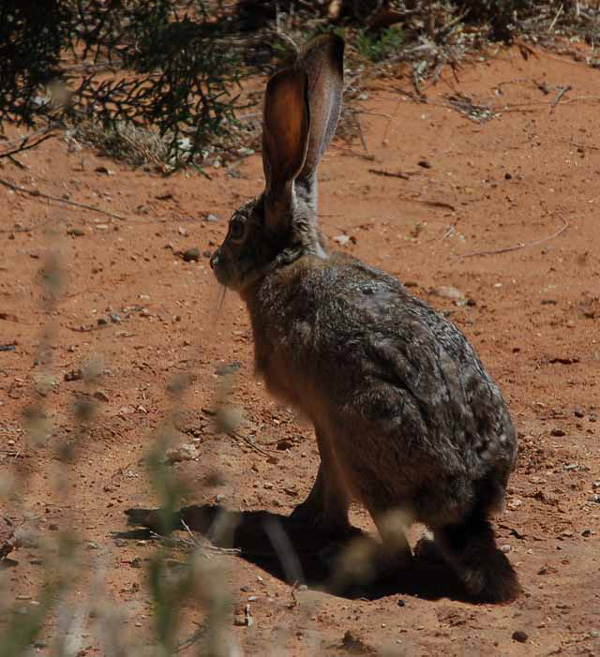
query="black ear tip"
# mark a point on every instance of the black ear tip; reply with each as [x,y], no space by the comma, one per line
[332,44]
[338,46]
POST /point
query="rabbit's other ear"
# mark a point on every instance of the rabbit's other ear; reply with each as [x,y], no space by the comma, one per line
[286,125]
[323,61]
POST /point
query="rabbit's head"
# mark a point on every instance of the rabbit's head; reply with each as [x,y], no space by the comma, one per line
[302,106]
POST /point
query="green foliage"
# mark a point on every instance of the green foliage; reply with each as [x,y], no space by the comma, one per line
[379,47]
[152,64]
[32,36]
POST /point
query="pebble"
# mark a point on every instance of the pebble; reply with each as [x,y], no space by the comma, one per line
[191,255]
[228,368]
[101,396]
[558,432]
[448,292]
[76,232]
[185,452]
[579,412]
[212,218]
[520,636]
[426,164]
[342,240]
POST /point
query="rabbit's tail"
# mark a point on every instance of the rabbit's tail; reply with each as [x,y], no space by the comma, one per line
[470,548]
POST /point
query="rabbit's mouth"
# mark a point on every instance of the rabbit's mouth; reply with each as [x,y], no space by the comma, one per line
[219,267]
[231,277]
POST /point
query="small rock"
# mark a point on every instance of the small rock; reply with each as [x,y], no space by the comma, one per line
[74,375]
[507,176]
[520,636]
[101,396]
[185,452]
[76,232]
[426,164]
[245,588]
[342,240]
[212,218]
[586,532]
[104,170]
[447,292]
[578,412]
[228,368]
[114,318]
[558,432]
[244,619]
[401,603]
[191,255]
[136,562]
[101,321]
[285,444]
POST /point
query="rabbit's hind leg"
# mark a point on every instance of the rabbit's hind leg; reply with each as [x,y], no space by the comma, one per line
[470,548]
[327,504]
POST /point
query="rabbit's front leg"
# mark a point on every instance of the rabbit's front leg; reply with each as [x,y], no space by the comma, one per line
[327,504]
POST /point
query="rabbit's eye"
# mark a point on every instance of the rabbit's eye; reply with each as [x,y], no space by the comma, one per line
[236,230]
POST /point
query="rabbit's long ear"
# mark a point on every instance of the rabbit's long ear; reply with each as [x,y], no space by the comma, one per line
[323,60]
[285,137]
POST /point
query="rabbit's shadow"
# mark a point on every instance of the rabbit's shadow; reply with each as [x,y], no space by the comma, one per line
[295,552]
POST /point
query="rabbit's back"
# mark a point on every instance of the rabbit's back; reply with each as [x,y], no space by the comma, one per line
[395,385]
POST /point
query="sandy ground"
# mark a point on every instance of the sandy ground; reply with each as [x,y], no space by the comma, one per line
[130,303]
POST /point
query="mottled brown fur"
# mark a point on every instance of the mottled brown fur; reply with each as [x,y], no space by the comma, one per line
[407,419]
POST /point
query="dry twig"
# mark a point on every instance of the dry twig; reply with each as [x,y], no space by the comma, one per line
[516,247]
[36,193]
[28,141]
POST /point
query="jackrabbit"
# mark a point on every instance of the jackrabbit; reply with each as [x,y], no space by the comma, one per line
[405,415]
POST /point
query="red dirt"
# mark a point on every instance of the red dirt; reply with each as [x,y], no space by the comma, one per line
[535,321]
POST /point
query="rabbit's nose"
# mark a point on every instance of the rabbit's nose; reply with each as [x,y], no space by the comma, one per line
[214,261]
